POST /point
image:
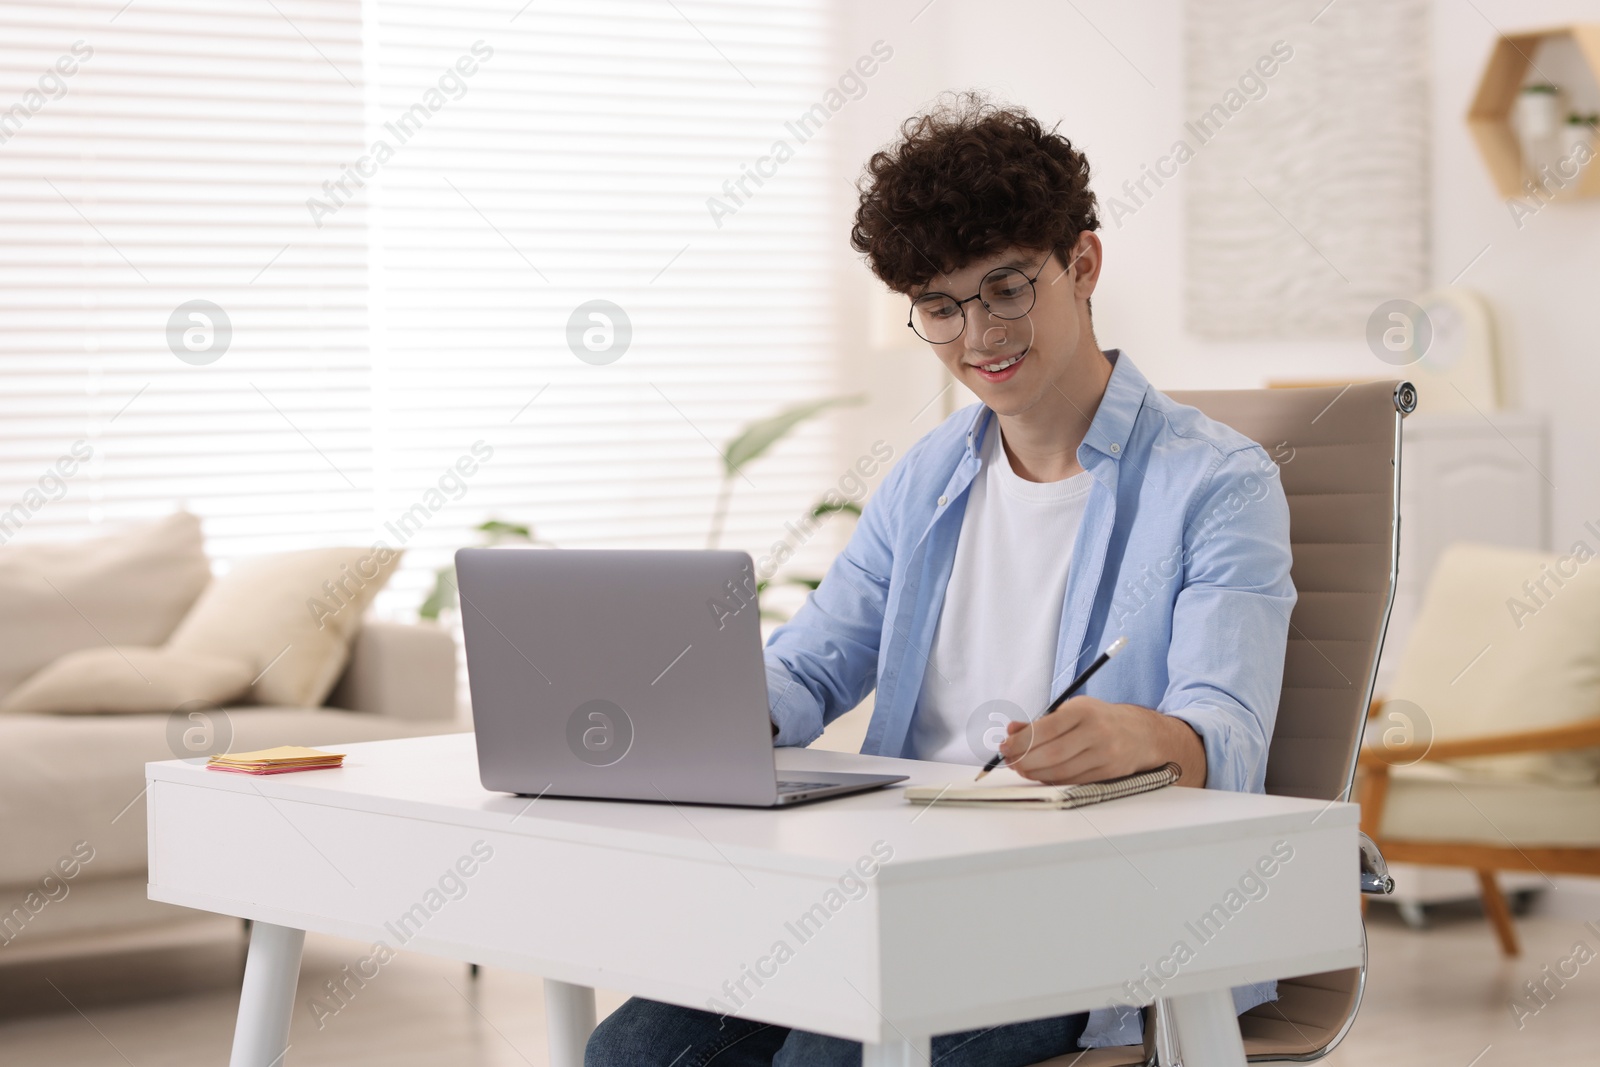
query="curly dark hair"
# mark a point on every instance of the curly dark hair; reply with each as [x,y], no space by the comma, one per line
[965,180]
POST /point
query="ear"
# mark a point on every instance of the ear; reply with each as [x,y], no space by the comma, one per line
[1083,270]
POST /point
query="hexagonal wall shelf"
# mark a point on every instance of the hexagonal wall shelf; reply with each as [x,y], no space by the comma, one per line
[1489,118]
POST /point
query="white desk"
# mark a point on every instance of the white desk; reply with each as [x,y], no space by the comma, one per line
[682,904]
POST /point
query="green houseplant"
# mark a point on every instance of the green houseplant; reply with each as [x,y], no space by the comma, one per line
[753,441]
[495,531]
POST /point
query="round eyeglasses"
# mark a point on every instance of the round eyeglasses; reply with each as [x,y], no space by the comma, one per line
[1005,293]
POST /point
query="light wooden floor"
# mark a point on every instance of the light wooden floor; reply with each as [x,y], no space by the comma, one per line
[1437,997]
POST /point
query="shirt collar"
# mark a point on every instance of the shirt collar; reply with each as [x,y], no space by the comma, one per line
[1113,420]
[1119,408]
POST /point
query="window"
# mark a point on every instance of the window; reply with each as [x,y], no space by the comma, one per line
[399,208]
[149,159]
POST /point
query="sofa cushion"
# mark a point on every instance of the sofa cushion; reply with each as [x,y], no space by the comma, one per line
[129,679]
[1507,640]
[132,587]
[71,778]
[1433,802]
[291,616]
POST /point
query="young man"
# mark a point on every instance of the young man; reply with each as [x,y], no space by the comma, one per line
[1014,542]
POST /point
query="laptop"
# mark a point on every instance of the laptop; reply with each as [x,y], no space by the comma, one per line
[625,675]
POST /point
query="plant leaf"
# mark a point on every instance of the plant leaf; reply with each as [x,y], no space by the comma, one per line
[498,529]
[756,437]
[848,507]
[441,595]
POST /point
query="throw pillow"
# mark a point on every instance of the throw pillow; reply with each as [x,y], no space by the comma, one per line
[290,616]
[1507,640]
[132,587]
[129,679]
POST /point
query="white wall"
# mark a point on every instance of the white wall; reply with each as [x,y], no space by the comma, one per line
[1541,279]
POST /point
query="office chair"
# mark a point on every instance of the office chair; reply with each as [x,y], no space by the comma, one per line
[1338,454]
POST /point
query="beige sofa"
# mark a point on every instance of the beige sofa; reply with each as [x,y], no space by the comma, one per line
[72,813]
[80,778]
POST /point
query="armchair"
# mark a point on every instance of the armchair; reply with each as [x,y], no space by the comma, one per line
[1493,759]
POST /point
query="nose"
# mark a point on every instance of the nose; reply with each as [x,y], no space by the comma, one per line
[984,332]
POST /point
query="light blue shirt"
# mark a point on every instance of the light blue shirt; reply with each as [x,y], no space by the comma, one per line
[1183,548]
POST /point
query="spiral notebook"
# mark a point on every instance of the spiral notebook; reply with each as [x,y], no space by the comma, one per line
[1006,788]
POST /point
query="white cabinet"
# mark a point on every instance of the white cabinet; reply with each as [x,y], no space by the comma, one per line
[1464,477]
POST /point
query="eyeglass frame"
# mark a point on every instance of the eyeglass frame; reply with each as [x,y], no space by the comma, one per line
[960,304]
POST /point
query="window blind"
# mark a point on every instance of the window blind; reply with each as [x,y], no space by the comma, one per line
[575,164]
[403,210]
[153,155]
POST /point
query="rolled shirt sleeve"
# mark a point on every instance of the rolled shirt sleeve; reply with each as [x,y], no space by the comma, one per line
[1230,620]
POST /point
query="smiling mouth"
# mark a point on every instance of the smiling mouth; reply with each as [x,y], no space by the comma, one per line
[1001,365]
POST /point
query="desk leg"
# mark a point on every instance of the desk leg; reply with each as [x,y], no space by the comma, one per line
[569,1015]
[1208,1029]
[899,1051]
[271,972]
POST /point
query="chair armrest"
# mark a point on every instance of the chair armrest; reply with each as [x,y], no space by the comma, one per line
[406,670]
[1574,735]
[1375,877]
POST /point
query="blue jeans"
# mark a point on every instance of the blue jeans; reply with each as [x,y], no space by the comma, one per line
[644,1033]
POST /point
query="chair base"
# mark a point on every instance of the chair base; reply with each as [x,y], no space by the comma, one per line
[1310,1016]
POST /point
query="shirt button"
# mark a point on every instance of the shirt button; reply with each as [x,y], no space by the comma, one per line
[1115,448]
[943,500]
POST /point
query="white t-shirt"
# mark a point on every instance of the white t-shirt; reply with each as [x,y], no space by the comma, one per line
[994,651]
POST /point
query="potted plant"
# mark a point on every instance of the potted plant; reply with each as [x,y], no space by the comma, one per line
[1538,111]
[1536,119]
[1577,135]
[753,441]
[749,444]
[444,597]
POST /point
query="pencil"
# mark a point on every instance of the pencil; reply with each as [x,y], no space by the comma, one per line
[1078,683]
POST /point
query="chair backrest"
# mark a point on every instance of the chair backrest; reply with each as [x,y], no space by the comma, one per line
[1338,455]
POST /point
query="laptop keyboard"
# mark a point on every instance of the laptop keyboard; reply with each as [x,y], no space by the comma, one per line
[800,787]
